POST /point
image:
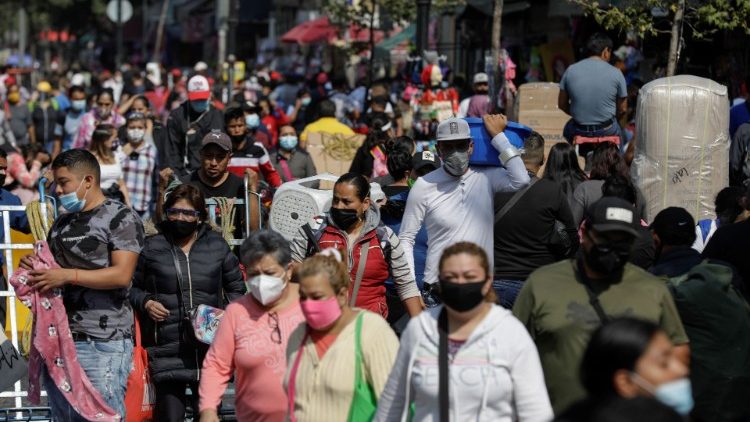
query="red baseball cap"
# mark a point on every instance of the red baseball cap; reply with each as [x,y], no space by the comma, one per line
[198,88]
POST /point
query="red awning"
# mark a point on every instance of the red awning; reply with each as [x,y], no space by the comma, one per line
[311,31]
[358,34]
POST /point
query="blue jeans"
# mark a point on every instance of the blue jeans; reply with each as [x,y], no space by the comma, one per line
[507,291]
[107,365]
[571,130]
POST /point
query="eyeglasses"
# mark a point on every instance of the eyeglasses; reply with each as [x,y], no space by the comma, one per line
[273,324]
[189,214]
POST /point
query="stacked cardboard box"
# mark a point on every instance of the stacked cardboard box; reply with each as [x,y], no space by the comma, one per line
[682,148]
[333,153]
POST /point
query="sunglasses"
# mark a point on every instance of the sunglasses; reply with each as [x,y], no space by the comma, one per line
[175,212]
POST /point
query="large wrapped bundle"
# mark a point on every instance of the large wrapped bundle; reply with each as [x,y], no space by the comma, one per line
[333,153]
[682,150]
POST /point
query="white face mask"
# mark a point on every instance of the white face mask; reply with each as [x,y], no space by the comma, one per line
[136,135]
[267,289]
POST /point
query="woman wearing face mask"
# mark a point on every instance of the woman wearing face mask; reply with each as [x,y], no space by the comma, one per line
[493,366]
[373,251]
[289,161]
[139,164]
[189,251]
[110,157]
[301,113]
[338,348]
[252,339]
[627,358]
[272,117]
[103,113]
[24,170]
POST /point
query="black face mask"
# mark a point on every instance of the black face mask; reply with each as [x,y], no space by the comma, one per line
[344,218]
[2,180]
[237,139]
[461,297]
[608,259]
[179,229]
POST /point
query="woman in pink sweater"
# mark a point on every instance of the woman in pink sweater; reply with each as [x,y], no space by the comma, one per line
[252,338]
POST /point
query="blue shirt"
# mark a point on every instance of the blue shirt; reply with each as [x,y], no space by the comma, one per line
[738,115]
[593,86]
[18,219]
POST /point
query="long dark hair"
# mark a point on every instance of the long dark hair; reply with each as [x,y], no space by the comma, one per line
[192,195]
[358,181]
[101,134]
[607,161]
[563,168]
[376,135]
[616,345]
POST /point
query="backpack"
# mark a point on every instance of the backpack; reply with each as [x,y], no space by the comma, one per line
[313,239]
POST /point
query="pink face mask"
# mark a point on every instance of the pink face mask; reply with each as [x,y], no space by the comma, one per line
[321,313]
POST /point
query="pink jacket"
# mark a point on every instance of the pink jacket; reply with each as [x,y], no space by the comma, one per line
[52,345]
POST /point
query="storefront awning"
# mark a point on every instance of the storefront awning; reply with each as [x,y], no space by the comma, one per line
[309,32]
[394,41]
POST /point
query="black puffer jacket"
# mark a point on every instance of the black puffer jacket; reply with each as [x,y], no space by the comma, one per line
[214,274]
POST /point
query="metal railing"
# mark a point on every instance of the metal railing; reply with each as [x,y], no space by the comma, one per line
[8,247]
[212,205]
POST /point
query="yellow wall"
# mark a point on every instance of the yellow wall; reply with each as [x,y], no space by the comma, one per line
[22,312]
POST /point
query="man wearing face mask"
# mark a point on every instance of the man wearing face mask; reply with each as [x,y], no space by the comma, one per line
[290,161]
[247,155]
[255,129]
[18,113]
[481,87]
[47,119]
[73,117]
[454,202]
[563,303]
[139,165]
[96,243]
[187,125]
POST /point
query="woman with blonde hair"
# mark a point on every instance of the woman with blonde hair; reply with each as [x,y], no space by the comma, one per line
[335,372]
[469,359]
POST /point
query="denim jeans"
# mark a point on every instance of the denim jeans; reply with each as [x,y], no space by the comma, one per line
[570,131]
[107,365]
[507,291]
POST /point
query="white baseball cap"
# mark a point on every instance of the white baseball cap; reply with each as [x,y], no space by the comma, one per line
[453,129]
[481,78]
[198,88]
[200,66]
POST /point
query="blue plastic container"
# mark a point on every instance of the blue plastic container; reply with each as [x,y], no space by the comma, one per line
[484,153]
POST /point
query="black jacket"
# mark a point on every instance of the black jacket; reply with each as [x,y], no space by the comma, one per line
[186,127]
[214,274]
[739,160]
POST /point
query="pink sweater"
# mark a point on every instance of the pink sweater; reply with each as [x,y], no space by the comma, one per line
[247,344]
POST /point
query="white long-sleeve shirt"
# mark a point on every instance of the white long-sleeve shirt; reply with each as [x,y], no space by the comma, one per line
[456,209]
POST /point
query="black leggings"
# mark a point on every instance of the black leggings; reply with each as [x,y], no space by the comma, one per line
[171,400]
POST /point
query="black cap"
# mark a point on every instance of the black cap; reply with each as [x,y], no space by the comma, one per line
[611,214]
[674,226]
[425,158]
[249,106]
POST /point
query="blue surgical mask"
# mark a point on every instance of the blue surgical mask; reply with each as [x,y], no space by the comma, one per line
[306,101]
[78,105]
[288,142]
[252,121]
[70,201]
[677,394]
[199,106]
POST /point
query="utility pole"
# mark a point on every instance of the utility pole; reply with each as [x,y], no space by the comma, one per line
[676,39]
[423,22]
[495,77]
[160,31]
[144,31]
[118,54]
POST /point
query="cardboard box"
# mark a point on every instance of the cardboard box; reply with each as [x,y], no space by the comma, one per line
[537,108]
[682,149]
[333,153]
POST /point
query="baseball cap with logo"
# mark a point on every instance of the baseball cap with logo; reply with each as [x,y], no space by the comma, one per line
[453,129]
[198,88]
[424,159]
[219,138]
[481,78]
[611,214]
[674,226]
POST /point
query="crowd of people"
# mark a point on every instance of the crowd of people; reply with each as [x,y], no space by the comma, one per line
[432,289]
